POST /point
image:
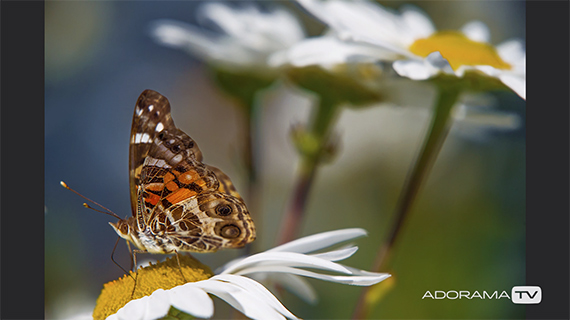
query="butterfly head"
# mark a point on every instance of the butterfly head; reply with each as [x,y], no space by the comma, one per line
[123,228]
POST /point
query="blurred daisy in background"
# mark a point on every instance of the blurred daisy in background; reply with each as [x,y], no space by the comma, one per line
[409,39]
[247,34]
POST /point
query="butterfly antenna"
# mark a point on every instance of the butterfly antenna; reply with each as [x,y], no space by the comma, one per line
[107,211]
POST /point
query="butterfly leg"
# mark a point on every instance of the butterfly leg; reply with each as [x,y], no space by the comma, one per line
[116,263]
[180,267]
[134,260]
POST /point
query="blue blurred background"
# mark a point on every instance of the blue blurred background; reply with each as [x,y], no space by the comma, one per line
[466,230]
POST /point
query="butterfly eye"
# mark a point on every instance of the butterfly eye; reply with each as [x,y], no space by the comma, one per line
[223,210]
[230,231]
[124,228]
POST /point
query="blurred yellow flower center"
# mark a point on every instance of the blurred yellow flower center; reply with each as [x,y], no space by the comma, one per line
[459,50]
[163,275]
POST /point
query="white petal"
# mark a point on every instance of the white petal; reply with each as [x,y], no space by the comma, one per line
[293,283]
[180,35]
[257,290]
[417,21]
[396,49]
[488,70]
[290,27]
[369,19]
[437,61]
[360,272]
[516,82]
[283,26]
[240,299]
[337,255]
[230,21]
[192,300]
[158,305]
[513,52]
[113,317]
[362,20]
[476,31]
[328,51]
[414,69]
[319,10]
[261,31]
[357,280]
[285,259]
[134,309]
[320,240]
[204,44]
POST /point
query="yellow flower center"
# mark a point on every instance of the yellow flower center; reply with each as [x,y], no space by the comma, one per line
[459,50]
[163,275]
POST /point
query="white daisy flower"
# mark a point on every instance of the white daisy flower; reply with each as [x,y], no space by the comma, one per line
[409,39]
[235,285]
[248,34]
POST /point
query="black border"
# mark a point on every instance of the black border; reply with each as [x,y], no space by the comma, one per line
[22,148]
[547,185]
[22,161]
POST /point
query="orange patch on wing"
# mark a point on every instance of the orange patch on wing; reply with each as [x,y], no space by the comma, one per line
[189,177]
[152,199]
[155,186]
[171,186]
[168,177]
[180,195]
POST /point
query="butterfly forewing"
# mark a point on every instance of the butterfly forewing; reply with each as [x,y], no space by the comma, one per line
[151,117]
[178,202]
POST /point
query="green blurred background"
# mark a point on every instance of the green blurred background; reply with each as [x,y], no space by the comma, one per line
[467,227]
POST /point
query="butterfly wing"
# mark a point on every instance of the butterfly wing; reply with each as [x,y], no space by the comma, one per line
[172,191]
[151,117]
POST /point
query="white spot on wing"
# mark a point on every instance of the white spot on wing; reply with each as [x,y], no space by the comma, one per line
[159,127]
[142,138]
[156,162]
[161,163]
[151,107]
[177,158]
[138,111]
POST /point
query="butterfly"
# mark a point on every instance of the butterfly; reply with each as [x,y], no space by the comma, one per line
[179,204]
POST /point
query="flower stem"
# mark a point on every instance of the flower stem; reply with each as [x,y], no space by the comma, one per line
[321,122]
[251,156]
[439,128]
[252,161]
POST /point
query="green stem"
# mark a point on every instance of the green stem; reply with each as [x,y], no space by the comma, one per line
[251,157]
[252,162]
[321,122]
[439,128]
